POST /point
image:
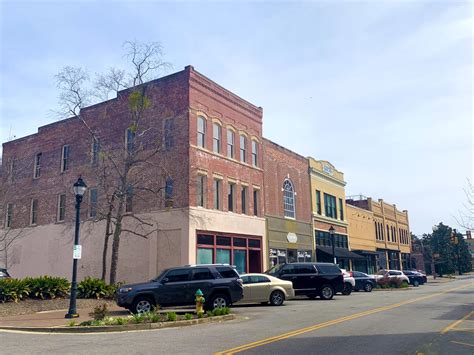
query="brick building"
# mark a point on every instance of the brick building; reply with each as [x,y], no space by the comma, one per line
[287,205]
[210,156]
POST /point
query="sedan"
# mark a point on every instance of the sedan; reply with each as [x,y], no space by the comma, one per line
[261,288]
[416,278]
[363,281]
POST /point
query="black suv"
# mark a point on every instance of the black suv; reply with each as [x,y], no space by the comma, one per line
[220,284]
[311,279]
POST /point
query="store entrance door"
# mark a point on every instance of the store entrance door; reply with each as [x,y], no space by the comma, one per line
[292,256]
[255,261]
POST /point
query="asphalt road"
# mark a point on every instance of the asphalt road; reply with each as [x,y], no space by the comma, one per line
[424,320]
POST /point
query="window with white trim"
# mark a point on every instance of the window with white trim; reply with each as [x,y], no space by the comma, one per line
[34,212]
[201,132]
[65,158]
[254,153]
[230,143]
[288,199]
[243,149]
[216,137]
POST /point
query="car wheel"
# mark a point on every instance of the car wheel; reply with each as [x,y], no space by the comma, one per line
[327,292]
[142,304]
[368,287]
[277,298]
[219,301]
[347,289]
[416,283]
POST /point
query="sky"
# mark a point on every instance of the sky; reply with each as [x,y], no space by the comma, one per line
[381,89]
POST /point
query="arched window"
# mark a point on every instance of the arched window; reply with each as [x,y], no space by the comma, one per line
[288,199]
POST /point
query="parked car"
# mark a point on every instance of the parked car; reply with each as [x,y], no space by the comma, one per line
[4,274]
[263,288]
[421,272]
[349,282]
[311,279]
[220,284]
[416,278]
[392,274]
[363,281]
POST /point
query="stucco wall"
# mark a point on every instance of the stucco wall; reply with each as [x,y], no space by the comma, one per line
[361,229]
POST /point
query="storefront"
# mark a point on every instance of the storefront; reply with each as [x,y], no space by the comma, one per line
[243,251]
[368,264]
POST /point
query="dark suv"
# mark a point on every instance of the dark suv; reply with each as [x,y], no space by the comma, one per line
[220,284]
[311,279]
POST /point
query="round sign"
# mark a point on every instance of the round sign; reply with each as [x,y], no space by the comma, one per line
[292,238]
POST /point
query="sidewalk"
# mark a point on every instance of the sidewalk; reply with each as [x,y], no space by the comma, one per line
[54,318]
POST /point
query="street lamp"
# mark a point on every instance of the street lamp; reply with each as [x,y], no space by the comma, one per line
[79,190]
[331,232]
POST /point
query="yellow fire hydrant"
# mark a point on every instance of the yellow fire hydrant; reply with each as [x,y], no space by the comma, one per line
[199,302]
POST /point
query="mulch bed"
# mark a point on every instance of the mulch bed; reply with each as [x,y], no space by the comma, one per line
[30,306]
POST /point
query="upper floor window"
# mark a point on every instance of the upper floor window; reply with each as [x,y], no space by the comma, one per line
[230,143]
[93,202]
[201,190]
[330,206]
[37,168]
[216,138]
[243,149]
[12,171]
[9,216]
[288,199]
[254,153]
[169,188]
[95,150]
[388,233]
[201,132]
[341,210]
[318,202]
[34,212]
[243,199]
[169,133]
[61,207]
[217,193]
[231,197]
[130,139]
[65,158]
[256,202]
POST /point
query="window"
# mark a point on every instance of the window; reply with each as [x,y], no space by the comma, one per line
[201,132]
[34,212]
[93,203]
[169,133]
[130,139]
[61,207]
[201,190]
[318,202]
[201,274]
[243,199]
[388,233]
[324,239]
[288,199]
[95,150]
[12,171]
[9,217]
[231,198]
[226,271]
[230,144]
[341,209]
[37,170]
[243,149]
[169,188]
[330,206]
[305,269]
[129,199]
[65,158]
[178,275]
[216,138]
[254,153]
[217,194]
[256,194]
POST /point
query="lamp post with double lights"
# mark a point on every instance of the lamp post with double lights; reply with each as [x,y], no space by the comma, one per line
[332,232]
[79,190]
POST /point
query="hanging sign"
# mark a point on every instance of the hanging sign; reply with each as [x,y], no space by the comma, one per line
[77,252]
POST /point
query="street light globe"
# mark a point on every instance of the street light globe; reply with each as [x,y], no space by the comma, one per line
[79,187]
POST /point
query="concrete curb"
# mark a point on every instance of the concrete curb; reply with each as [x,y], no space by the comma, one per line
[391,289]
[122,328]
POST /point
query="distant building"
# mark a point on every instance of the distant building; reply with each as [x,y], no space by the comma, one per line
[470,245]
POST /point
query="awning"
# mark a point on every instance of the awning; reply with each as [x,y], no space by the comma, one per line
[340,252]
[366,252]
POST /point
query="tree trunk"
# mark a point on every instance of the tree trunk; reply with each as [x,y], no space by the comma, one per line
[116,242]
[106,239]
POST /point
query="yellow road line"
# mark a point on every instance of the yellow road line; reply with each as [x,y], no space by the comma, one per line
[329,323]
[456,323]
[460,342]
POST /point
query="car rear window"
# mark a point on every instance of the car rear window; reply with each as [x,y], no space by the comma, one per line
[202,273]
[305,269]
[227,272]
[328,269]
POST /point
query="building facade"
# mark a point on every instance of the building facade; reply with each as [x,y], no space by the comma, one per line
[212,209]
[287,205]
[392,232]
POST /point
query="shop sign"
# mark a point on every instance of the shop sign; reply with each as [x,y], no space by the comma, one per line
[304,254]
[291,238]
[273,252]
[281,252]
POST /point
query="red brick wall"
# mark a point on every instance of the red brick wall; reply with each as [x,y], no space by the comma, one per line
[280,163]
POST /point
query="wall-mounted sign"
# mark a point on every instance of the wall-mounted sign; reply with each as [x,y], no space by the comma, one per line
[304,254]
[327,169]
[77,252]
[291,238]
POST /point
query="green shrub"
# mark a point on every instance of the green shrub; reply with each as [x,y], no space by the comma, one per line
[209,313]
[171,316]
[188,316]
[200,315]
[47,287]
[13,290]
[71,323]
[93,288]
[120,321]
[137,318]
[99,312]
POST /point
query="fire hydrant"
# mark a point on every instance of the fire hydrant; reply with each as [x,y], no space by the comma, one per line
[199,302]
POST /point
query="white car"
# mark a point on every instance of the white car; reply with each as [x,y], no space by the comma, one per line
[349,282]
[262,288]
[392,274]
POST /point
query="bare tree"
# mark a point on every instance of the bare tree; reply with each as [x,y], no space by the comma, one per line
[126,171]
[465,218]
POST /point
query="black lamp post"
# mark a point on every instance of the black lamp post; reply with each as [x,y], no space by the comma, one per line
[79,190]
[331,232]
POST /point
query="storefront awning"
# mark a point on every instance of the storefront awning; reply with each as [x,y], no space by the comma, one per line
[340,252]
[366,252]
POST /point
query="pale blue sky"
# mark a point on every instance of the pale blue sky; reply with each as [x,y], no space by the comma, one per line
[382,89]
